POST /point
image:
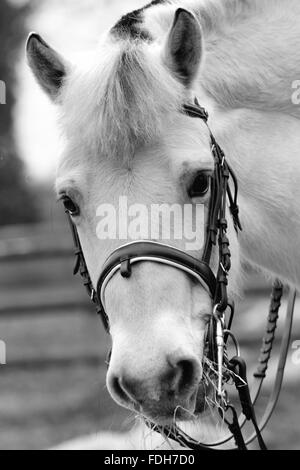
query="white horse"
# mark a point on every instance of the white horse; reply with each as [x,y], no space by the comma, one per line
[125,136]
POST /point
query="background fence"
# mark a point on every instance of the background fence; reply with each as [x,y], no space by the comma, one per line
[53,386]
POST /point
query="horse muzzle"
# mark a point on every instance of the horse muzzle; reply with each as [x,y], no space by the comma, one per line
[169,393]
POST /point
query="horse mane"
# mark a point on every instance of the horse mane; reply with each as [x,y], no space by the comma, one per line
[125,99]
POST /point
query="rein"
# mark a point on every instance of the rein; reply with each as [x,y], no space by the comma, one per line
[219,331]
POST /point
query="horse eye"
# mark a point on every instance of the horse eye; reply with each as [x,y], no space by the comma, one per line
[200,186]
[70,206]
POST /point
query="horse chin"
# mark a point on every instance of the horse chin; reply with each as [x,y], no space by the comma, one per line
[183,412]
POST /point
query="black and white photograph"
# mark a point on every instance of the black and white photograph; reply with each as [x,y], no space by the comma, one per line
[150,227]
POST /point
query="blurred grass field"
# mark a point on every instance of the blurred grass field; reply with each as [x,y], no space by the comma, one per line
[53,386]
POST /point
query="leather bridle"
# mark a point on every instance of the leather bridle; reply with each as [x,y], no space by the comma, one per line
[123,260]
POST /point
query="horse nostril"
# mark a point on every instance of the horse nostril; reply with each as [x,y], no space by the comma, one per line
[186,374]
[124,390]
[118,389]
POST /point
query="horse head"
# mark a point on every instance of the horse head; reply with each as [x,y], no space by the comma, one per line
[129,149]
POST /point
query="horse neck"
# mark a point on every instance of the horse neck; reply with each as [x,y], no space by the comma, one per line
[246,84]
[263,150]
[249,61]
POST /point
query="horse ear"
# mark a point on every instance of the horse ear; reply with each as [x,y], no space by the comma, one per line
[48,67]
[183,49]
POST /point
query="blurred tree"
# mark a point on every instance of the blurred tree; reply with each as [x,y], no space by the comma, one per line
[16,198]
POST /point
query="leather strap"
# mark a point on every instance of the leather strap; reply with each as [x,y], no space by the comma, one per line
[124,257]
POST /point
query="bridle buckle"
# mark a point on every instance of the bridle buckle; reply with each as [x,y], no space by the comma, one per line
[220,345]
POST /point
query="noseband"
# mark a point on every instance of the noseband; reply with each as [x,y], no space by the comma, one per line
[123,260]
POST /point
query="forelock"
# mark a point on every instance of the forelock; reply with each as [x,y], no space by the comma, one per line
[122,101]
